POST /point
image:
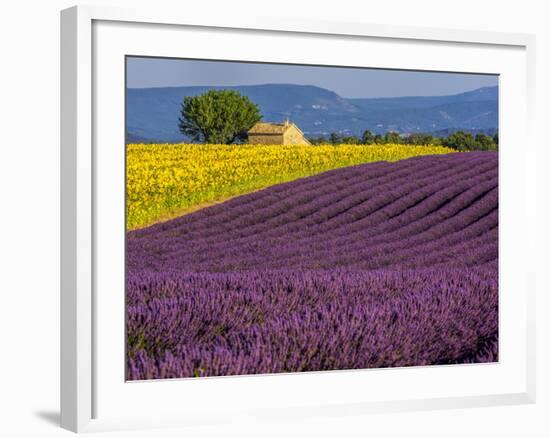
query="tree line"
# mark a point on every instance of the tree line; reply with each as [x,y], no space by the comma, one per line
[460,140]
[225,116]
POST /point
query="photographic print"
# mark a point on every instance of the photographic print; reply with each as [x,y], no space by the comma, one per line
[287,218]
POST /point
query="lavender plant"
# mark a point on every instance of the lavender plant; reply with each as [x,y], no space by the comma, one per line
[375,265]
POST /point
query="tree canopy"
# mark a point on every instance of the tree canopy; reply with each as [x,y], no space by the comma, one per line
[460,140]
[218,116]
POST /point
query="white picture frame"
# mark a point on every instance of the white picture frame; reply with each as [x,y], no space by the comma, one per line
[89,388]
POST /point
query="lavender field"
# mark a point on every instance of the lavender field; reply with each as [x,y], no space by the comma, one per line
[375,265]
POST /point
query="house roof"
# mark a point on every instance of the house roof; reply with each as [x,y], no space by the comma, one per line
[270,128]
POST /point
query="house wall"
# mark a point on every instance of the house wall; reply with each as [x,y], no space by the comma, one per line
[265,139]
[293,136]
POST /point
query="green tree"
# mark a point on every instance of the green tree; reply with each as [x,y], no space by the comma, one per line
[318,140]
[218,116]
[461,141]
[420,138]
[352,139]
[335,138]
[495,138]
[378,139]
[392,137]
[368,137]
[485,143]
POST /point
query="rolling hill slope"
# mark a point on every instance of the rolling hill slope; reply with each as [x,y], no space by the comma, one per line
[375,265]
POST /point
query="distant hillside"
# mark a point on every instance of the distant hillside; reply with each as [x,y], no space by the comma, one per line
[382,103]
[152,113]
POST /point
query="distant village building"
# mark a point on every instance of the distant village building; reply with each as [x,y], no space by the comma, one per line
[276,133]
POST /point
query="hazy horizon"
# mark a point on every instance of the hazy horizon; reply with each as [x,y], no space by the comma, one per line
[347,82]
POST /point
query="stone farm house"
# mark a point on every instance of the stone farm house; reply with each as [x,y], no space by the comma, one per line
[276,133]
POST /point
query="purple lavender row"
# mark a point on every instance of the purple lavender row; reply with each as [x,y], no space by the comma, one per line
[418,248]
[233,215]
[442,227]
[296,220]
[257,200]
[307,203]
[386,264]
[365,226]
[185,325]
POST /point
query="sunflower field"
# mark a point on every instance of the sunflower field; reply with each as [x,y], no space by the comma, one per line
[168,180]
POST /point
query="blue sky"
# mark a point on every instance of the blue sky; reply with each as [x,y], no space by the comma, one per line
[347,82]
